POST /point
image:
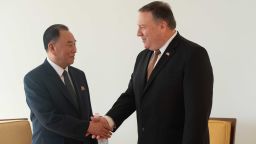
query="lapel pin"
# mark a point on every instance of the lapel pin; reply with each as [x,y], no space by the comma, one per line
[168,54]
[82,88]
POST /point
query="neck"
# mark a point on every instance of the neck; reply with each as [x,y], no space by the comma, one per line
[54,60]
[169,34]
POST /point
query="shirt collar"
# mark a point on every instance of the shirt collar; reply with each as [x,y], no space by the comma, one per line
[163,48]
[56,67]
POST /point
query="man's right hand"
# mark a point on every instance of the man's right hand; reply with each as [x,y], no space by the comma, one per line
[100,127]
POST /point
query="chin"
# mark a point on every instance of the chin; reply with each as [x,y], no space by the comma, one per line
[146,47]
[70,63]
[72,60]
[149,48]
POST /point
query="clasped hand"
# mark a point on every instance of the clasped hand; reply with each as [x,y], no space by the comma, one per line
[99,128]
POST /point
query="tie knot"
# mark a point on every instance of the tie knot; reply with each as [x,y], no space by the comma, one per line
[65,73]
[157,52]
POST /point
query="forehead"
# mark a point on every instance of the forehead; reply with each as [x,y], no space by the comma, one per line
[145,18]
[66,35]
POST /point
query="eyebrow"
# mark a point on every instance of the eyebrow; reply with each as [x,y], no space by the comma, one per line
[71,41]
[141,25]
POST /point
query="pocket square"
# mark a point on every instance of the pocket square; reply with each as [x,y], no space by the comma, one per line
[82,88]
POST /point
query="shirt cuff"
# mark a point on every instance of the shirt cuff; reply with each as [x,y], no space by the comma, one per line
[110,121]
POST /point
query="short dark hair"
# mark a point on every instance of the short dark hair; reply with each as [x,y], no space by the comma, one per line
[160,10]
[53,33]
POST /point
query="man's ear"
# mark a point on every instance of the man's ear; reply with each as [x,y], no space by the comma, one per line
[51,47]
[163,25]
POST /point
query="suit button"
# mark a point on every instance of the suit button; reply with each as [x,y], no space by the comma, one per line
[143,129]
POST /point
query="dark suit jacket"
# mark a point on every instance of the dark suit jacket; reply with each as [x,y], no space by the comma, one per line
[54,117]
[174,105]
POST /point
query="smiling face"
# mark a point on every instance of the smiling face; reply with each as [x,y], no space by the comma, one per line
[150,31]
[62,51]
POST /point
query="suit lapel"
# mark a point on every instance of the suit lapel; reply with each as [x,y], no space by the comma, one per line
[141,74]
[145,69]
[168,53]
[75,83]
[54,77]
[82,91]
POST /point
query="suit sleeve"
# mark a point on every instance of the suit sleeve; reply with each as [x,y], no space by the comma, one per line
[125,104]
[39,100]
[198,86]
[123,107]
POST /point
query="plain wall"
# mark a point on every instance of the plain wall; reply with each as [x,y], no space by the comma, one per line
[107,47]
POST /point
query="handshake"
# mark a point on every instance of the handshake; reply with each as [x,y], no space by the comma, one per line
[99,128]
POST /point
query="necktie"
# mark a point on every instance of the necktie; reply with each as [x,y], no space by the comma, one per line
[152,62]
[70,87]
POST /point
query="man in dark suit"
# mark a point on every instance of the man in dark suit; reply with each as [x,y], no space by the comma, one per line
[171,85]
[58,95]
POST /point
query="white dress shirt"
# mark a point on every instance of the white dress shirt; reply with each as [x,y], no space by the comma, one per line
[58,69]
[163,48]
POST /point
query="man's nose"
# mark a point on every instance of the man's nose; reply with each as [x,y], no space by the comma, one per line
[139,33]
[74,49]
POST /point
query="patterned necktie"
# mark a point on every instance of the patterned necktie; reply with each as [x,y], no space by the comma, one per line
[70,87]
[152,62]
